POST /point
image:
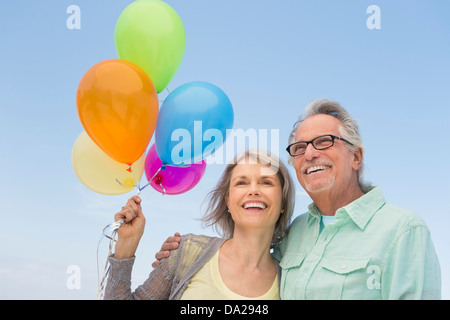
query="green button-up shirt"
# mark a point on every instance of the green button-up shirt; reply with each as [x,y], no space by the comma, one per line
[373,250]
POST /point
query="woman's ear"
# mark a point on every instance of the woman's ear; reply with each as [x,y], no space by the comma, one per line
[227,201]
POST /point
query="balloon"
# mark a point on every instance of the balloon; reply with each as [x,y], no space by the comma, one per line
[97,171]
[118,107]
[151,34]
[192,123]
[169,179]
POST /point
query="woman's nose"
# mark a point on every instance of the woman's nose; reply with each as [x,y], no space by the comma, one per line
[253,189]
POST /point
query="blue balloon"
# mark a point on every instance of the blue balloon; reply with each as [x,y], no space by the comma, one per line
[192,123]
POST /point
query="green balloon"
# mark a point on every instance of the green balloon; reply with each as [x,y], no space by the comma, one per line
[150,34]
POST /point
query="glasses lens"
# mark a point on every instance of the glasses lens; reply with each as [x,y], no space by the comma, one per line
[297,149]
[323,142]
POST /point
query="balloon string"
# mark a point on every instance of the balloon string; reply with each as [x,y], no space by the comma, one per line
[113,227]
[178,166]
[154,175]
[167,89]
[137,185]
[164,190]
[162,168]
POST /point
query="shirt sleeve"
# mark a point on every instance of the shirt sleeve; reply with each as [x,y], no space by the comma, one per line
[411,268]
[156,287]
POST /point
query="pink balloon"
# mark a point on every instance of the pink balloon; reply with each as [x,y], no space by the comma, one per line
[171,179]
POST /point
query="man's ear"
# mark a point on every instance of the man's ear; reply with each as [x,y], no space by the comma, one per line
[357,158]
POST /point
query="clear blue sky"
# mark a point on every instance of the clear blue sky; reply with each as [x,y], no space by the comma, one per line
[271,58]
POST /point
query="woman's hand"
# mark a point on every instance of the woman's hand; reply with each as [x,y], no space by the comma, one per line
[130,233]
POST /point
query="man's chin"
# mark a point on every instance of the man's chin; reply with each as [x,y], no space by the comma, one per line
[315,189]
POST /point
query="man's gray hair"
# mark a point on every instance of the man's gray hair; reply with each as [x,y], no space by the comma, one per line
[349,128]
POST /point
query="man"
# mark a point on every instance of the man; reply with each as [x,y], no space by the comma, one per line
[350,244]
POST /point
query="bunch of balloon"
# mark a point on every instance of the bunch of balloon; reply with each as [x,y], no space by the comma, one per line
[151,34]
[192,124]
[192,115]
[117,99]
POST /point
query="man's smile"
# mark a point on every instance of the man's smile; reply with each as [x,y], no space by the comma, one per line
[316,168]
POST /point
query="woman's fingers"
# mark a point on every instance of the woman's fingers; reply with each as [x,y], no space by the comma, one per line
[131,210]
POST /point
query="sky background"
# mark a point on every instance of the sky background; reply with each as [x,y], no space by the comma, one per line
[271,58]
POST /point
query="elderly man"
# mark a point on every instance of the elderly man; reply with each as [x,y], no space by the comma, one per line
[350,244]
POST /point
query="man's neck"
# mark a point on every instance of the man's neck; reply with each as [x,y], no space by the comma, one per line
[328,202]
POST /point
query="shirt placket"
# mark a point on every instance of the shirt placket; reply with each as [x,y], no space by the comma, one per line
[316,255]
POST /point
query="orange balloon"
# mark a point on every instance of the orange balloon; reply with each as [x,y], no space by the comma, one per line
[118,107]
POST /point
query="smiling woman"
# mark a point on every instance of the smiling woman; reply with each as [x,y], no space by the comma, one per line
[251,205]
[265,167]
[253,199]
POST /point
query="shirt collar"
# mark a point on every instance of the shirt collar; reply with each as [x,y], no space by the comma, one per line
[361,210]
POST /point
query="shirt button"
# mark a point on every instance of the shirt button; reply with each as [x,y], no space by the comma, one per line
[343,266]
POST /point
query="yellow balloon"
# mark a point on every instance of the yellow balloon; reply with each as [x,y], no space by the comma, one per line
[99,172]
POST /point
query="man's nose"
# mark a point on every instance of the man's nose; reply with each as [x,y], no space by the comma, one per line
[311,152]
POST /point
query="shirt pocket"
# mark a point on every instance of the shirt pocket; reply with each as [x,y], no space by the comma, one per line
[344,277]
[290,265]
[291,261]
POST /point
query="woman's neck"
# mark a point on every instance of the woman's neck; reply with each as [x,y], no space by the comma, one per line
[251,250]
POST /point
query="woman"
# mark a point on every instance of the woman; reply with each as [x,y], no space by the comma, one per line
[251,206]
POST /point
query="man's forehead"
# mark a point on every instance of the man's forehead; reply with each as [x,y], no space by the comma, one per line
[317,125]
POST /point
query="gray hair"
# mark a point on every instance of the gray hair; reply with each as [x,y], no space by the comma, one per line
[217,214]
[349,129]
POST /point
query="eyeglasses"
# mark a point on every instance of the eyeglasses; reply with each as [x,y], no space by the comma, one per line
[320,143]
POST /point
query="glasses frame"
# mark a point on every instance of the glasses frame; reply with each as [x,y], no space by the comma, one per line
[333,137]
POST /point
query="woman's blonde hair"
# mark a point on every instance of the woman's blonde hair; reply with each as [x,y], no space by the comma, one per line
[217,214]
